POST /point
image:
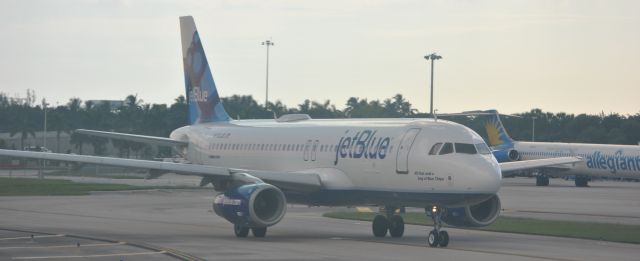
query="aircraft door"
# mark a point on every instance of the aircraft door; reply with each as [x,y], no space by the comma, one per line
[314,149]
[402,159]
[307,147]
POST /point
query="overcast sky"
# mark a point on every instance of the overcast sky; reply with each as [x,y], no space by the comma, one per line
[560,56]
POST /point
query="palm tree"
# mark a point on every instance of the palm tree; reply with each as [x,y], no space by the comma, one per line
[78,140]
[24,121]
[58,122]
[130,115]
[177,114]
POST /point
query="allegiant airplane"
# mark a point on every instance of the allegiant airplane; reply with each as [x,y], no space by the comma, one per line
[599,160]
[259,166]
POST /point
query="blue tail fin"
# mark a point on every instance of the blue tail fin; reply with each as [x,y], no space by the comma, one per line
[496,133]
[202,95]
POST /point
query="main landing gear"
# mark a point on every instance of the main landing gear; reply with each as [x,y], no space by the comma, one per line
[437,236]
[582,181]
[542,180]
[389,222]
[243,231]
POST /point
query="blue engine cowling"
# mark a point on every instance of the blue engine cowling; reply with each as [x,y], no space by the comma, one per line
[506,155]
[479,215]
[253,205]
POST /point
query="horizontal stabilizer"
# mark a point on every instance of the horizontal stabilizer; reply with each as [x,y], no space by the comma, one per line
[152,140]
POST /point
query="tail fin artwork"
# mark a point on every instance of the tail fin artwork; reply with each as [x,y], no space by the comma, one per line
[496,133]
[202,94]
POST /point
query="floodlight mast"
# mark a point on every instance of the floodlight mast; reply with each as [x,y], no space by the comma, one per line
[533,128]
[266,99]
[44,137]
[432,57]
[43,163]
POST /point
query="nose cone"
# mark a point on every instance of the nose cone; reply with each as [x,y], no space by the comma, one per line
[479,174]
[485,176]
[491,173]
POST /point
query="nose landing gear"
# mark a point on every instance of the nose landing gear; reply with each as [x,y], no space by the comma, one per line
[437,236]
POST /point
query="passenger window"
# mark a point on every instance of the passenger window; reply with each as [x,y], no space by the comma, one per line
[465,148]
[435,148]
[447,148]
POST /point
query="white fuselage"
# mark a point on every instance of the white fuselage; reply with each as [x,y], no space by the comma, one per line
[370,155]
[600,160]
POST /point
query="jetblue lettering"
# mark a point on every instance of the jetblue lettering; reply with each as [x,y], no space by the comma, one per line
[614,162]
[364,144]
[198,95]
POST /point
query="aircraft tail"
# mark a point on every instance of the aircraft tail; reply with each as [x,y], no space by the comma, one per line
[202,95]
[496,132]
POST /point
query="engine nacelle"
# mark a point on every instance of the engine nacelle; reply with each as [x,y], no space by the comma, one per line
[253,205]
[506,155]
[479,215]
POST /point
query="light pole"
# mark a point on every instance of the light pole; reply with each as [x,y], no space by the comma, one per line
[44,140]
[266,99]
[533,128]
[432,57]
[44,136]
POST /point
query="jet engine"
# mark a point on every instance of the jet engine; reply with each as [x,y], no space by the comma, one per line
[251,205]
[479,215]
[506,155]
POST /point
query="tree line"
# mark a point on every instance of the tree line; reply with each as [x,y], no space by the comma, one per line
[25,116]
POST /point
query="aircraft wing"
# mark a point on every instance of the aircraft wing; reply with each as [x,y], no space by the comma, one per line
[153,140]
[539,163]
[304,182]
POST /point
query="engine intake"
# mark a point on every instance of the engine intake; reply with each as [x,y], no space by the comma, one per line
[506,155]
[479,215]
[253,205]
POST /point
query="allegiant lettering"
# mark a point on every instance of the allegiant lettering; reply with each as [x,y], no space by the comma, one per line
[613,162]
[364,144]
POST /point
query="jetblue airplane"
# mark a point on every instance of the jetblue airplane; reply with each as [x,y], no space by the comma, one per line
[600,160]
[258,166]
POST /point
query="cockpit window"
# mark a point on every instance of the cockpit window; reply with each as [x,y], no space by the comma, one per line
[482,148]
[436,147]
[465,148]
[447,148]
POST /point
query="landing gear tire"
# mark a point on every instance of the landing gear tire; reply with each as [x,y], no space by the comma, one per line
[396,226]
[240,231]
[542,181]
[582,181]
[380,226]
[434,238]
[259,231]
[444,238]
[437,236]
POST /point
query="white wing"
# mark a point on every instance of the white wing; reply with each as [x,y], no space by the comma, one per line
[306,182]
[532,164]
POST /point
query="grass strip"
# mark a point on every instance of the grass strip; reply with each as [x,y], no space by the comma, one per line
[57,187]
[573,229]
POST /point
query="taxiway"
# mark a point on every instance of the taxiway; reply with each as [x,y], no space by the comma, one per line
[181,221]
